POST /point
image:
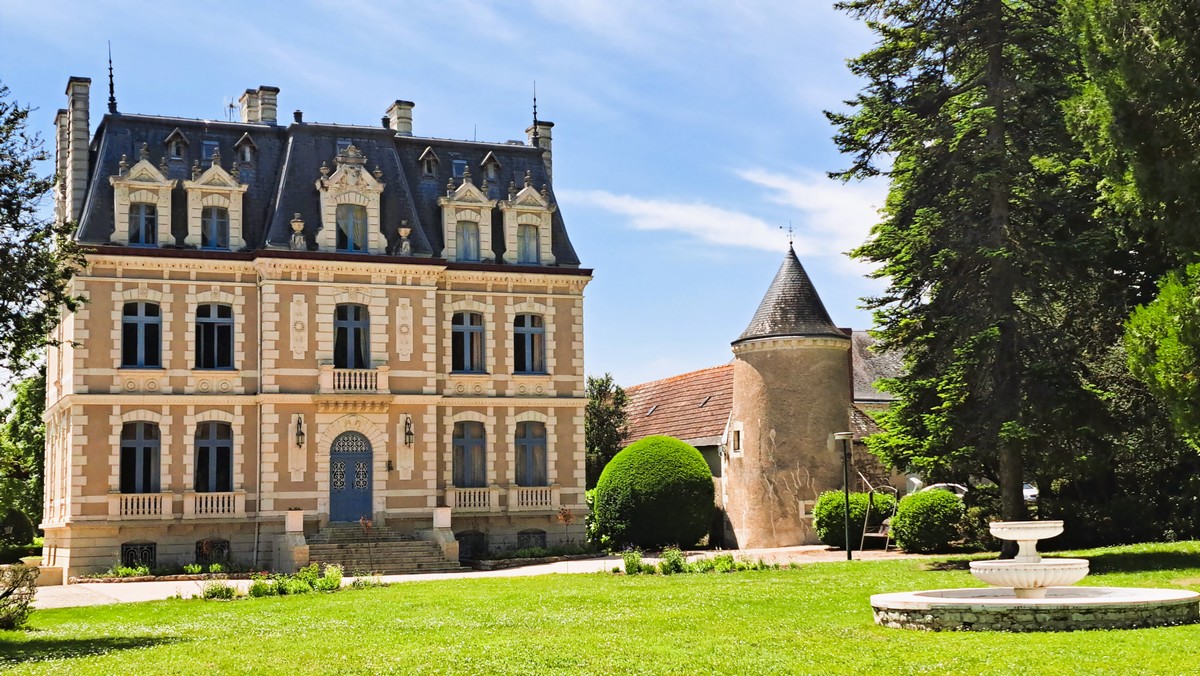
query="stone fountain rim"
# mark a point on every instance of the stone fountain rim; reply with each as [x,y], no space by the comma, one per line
[1004,598]
[1043,564]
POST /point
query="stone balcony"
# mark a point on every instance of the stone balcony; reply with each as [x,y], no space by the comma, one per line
[473,499]
[519,499]
[533,498]
[214,505]
[363,381]
[141,505]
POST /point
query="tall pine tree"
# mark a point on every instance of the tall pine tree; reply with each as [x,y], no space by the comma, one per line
[997,270]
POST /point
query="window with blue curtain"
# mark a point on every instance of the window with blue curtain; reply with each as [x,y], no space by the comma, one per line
[143,224]
[214,228]
[466,342]
[214,457]
[531,454]
[141,336]
[469,450]
[528,245]
[467,246]
[351,337]
[529,344]
[139,457]
[351,228]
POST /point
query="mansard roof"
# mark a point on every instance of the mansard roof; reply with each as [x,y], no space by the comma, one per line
[791,307]
[287,162]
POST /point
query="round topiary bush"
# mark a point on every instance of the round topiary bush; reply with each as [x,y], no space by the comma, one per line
[829,515]
[928,521]
[658,491]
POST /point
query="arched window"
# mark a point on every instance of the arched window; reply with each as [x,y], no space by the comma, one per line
[143,224]
[531,454]
[467,245]
[529,250]
[529,344]
[214,228]
[214,457]
[470,462]
[466,342]
[214,337]
[351,337]
[139,457]
[351,228]
[141,335]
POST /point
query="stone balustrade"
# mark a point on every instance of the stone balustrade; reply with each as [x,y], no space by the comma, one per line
[140,505]
[218,504]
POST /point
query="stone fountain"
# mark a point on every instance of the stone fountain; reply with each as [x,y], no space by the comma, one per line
[1030,593]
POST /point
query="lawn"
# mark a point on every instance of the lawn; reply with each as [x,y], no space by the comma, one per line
[815,619]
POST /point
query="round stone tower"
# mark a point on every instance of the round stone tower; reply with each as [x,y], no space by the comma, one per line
[791,393]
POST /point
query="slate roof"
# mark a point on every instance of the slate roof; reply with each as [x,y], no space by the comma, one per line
[791,307]
[862,424]
[693,406]
[287,160]
[869,366]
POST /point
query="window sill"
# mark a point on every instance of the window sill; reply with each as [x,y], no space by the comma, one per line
[143,369]
[531,374]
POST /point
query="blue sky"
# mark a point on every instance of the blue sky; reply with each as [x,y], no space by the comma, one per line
[685,134]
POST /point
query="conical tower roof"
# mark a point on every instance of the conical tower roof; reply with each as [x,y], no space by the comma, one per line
[791,307]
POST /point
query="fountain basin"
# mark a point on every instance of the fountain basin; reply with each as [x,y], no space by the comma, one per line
[1029,580]
[1061,609]
[1026,530]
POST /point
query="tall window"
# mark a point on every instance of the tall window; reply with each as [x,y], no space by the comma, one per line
[214,337]
[468,241]
[530,344]
[528,249]
[141,331]
[470,470]
[214,228]
[139,457]
[467,342]
[351,227]
[351,337]
[143,224]
[214,457]
[531,454]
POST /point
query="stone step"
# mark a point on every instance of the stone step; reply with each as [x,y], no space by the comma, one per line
[387,557]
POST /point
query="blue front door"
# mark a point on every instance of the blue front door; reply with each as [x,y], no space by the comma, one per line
[350,477]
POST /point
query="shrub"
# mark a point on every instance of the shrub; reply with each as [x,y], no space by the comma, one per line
[279,585]
[117,570]
[17,588]
[309,574]
[331,580]
[723,563]
[928,521]
[260,588]
[829,515]
[16,529]
[657,491]
[633,562]
[193,568]
[297,586]
[671,561]
[982,507]
[216,568]
[217,589]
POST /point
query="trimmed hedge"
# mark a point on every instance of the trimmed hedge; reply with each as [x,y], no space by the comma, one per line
[829,516]
[928,521]
[658,491]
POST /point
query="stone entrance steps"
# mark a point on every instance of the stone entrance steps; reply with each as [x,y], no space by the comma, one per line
[385,553]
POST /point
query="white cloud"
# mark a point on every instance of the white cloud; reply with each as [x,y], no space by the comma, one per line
[831,217]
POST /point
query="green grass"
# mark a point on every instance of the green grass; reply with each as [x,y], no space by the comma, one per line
[815,619]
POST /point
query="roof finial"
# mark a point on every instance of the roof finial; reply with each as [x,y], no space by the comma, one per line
[112,92]
[536,136]
[791,235]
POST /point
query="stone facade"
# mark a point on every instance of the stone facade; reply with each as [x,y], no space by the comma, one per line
[286,396]
[1046,617]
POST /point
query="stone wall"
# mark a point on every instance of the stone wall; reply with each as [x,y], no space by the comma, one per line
[1041,618]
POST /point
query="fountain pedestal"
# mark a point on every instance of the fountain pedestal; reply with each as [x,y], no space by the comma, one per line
[1028,574]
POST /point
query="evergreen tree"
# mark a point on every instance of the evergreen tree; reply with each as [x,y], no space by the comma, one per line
[37,256]
[1000,285]
[22,443]
[604,424]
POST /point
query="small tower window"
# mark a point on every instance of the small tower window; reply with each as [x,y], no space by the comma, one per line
[208,150]
[247,154]
[176,150]
[460,168]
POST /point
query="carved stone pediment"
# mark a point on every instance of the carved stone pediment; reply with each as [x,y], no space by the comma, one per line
[349,182]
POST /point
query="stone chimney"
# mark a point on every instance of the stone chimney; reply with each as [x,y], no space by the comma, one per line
[78,139]
[249,105]
[260,105]
[267,100]
[400,117]
[62,140]
[542,141]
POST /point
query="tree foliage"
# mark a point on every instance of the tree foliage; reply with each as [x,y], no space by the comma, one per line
[1000,282]
[37,255]
[22,442]
[604,424]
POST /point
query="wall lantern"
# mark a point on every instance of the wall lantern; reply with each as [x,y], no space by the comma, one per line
[408,430]
[299,431]
[390,466]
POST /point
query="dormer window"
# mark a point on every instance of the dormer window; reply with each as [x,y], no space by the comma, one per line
[208,149]
[143,224]
[175,149]
[176,144]
[467,241]
[247,154]
[491,168]
[529,250]
[460,168]
[351,228]
[214,228]
[429,162]
[528,219]
[245,148]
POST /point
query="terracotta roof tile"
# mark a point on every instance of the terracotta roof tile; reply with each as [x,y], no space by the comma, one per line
[689,406]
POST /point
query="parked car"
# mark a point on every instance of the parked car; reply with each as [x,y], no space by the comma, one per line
[957,489]
[1030,491]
